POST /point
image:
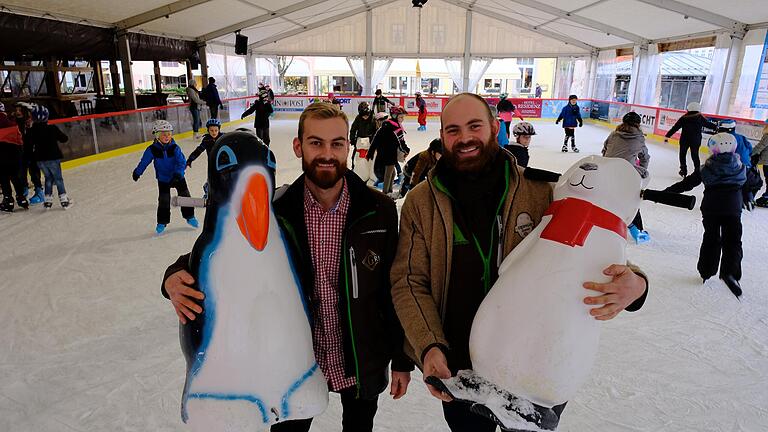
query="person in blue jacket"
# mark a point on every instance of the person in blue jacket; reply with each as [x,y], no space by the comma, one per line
[744,150]
[169,164]
[571,117]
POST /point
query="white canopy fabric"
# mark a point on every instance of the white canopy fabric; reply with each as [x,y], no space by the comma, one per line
[510,28]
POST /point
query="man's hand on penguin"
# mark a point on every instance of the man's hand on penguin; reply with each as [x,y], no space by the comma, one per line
[624,288]
[183,296]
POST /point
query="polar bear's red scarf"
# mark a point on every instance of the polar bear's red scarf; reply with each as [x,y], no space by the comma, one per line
[573,220]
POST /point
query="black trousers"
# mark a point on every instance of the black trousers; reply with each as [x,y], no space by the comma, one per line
[638,221]
[506,127]
[29,163]
[356,415]
[722,234]
[164,201]
[684,147]
[461,419]
[10,171]
[765,176]
[263,133]
[214,111]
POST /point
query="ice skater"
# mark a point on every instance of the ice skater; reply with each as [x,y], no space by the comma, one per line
[571,117]
[388,141]
[213,126]
[363,127]
[11,149]
[744,150]
[760,157]
[380,103]
[169,163]
[691,123]
[506,110]
[522,132]
[723,175]
[422,106]
[46,138]
[262,110]
[628,142]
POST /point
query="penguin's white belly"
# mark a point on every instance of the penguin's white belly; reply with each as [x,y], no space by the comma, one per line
[533,334]
[258,366]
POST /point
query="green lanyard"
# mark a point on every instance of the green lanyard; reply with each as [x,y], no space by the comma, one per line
[486,257]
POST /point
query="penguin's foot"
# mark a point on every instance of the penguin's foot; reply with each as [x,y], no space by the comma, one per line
[485,398]
[732,284]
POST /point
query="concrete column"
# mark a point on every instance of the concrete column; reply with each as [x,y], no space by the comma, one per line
[203,63]
[125,59]
[467,48]
[158,77]
[115,75]
[729,84]
[368,63]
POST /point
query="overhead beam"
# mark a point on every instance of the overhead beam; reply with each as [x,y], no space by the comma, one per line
[550,34]
[317,24]
[597,25]
[699,14]
[242,25]
[160,12]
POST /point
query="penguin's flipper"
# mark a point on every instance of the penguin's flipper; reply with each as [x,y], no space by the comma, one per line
[510,412]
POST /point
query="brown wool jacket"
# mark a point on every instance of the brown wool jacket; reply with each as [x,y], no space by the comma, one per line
[421,270]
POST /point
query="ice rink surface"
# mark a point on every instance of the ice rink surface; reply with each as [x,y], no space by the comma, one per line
[87,342]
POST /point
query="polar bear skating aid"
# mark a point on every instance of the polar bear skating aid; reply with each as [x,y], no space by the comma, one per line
[250,361]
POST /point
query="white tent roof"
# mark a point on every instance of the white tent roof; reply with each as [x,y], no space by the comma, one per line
[500,28]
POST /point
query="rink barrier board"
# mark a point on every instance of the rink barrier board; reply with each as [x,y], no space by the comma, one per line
[101,136]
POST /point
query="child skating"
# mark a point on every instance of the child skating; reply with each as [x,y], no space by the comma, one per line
[169,164]
[723,175]
[571,117]
[46,138]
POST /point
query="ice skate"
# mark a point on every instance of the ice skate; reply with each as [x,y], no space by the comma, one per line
[762,202]
[64,201]
[574,148]
[565,148]
[38,197]
[48,202]
[193,222]
[22,202]
[7,205]
[640,236]
[732,284]
[159,229]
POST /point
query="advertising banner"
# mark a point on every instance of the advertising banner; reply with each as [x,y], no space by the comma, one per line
[667,119]
[550,108]
[647,118]
[600,111]
[434,105]
[527,107]
[289,103]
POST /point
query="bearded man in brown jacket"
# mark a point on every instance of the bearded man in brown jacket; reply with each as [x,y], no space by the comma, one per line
[455,229]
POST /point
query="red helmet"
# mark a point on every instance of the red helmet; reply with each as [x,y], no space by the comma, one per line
[396,110]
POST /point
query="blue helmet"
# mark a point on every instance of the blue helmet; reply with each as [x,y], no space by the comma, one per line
[40,114]
[213,122]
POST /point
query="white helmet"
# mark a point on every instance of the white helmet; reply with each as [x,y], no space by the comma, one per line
[381,116]
[722,143]
[694,106]
[727,125]
[523,128]
[2,107]
[161,126]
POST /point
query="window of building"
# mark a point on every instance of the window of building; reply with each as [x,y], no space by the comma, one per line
[169,64]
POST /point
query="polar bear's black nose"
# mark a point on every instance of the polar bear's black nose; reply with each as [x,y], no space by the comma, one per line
[588,167]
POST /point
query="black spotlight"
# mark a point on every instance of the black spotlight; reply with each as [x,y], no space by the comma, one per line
[419,3]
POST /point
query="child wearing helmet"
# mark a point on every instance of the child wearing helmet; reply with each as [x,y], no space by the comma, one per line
[361,131]
[422,106]
[691,125]
[723,175]
[380,102]
[169,163]
[262,109]
[11,148]
[506,110]
[522,132]
[571,117]
[214,132]
[744,151]
[628,142]
[45,139]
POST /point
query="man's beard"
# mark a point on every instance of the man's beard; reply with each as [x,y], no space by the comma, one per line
[476,164]
[324,179]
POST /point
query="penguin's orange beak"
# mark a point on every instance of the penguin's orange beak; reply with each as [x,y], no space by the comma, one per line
[253,219]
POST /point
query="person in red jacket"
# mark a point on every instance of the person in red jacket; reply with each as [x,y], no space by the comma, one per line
[422,106]
[11,147]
